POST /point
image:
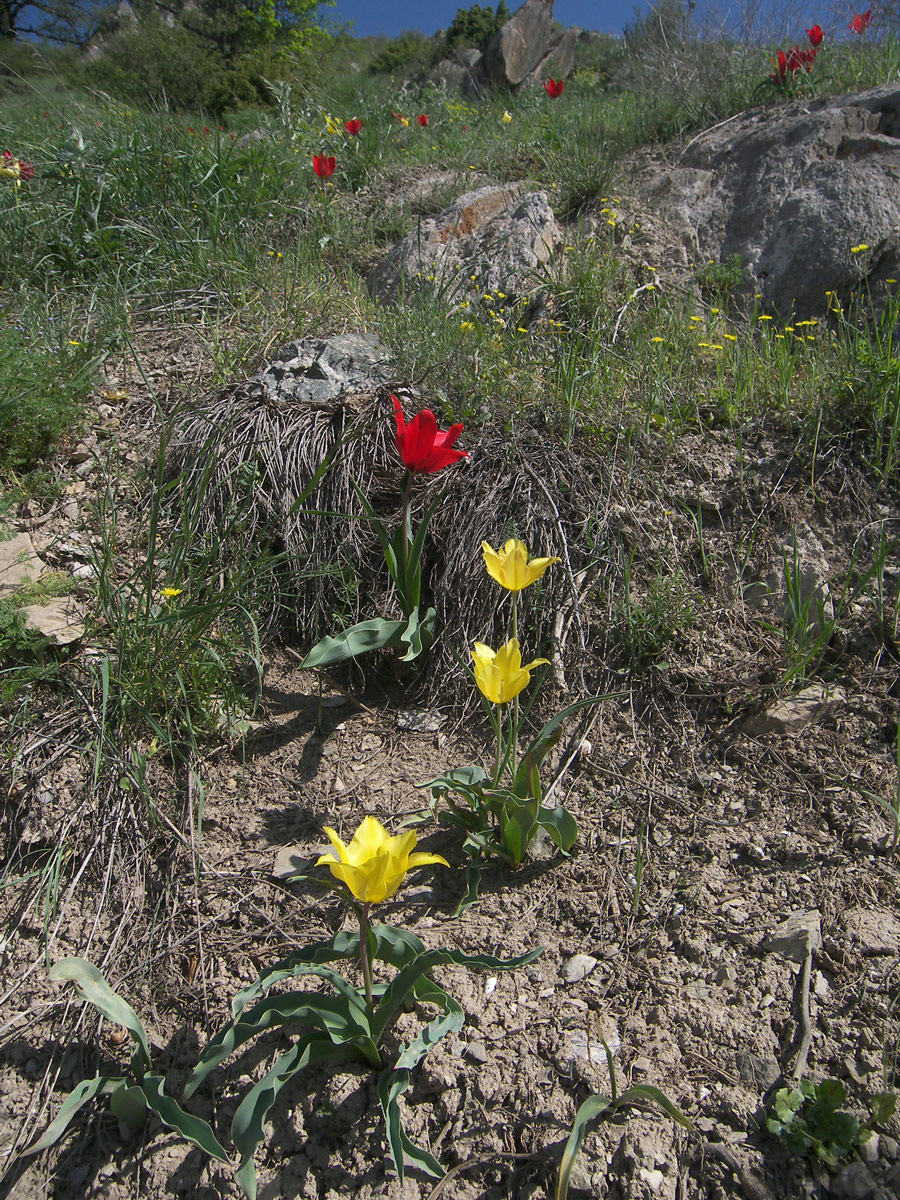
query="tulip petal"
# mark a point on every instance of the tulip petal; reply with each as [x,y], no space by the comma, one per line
[370,839]
[419,439]
[337,843]
[421,859]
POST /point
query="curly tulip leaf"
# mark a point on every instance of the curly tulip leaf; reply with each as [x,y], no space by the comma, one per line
[391,1086]
[560,826]
[94,988]
[172,1115]
[129,1105]
[80,1095]
[397,991]
[330,1014]
[597,1106]
[248,1125]
[374,634]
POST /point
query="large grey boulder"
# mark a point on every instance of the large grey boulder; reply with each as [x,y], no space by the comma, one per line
[488,240]
[459,73]
[559,60]
[521,45]
[792,191]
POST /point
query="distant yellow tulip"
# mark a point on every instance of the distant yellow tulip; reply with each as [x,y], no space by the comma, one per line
[507,116]
[511,566]
[374,864]
[499,674]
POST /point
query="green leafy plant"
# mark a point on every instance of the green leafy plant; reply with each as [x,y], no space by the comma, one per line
[598,1107]
[809,1119]
[130,1098]
[502,812]
[649,623]
[346,1023]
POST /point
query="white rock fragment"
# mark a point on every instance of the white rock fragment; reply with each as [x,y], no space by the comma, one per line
[578,967]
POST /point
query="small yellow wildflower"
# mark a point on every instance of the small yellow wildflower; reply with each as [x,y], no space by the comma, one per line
[466,326]
[732,337]
[764,317]
[860,248]
[168,592]
[657,339]
[507,116]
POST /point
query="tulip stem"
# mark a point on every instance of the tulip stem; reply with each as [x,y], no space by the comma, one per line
[407,493]
[364,961]
[514,731]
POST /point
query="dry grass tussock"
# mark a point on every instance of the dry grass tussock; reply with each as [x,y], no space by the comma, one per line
[239,447]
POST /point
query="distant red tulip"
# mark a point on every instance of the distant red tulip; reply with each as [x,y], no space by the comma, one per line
[554,88]
[26,170]
[816,35]
[206,129]
[423,448]
[422,119]
[324,165]
[353,127]
[861,22]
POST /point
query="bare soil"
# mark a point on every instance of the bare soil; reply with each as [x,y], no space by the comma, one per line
[704,824]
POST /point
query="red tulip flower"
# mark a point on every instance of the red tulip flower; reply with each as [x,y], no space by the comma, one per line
[353,127]
[816,36]
[26,170]
[422,119]
[423,448]
[554,88]
[323,165]
[861,22]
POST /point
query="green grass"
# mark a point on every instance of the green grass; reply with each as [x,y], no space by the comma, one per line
[144,216]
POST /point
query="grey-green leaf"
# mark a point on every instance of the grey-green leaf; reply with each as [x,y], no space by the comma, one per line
[93,987]
[79,1096]
[170,1112]
[374,634]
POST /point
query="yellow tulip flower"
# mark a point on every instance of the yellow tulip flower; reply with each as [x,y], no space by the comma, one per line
[374,864]
[499,674]
[507,116]
[511,566]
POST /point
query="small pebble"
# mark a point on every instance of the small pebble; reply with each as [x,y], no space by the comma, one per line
[578,967]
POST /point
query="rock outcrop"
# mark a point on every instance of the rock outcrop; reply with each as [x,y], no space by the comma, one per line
[487,240]
[807,195]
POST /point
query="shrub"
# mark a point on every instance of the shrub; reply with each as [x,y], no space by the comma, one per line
[476,26]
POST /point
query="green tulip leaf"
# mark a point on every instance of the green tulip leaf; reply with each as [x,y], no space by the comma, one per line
[400,987]
[391,1086]
[597,1106]
[550,734]
[129,1105]
[374,634]
[94,988]
[80,1095]
[333,1015]
[173,1116]
[470,896]
[248,1125]
[466,780]
[418,634]
[560,826]
[451,1020]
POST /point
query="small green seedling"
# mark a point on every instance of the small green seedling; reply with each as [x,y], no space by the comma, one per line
[809,1119]
[597,1106]
[129,1099]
